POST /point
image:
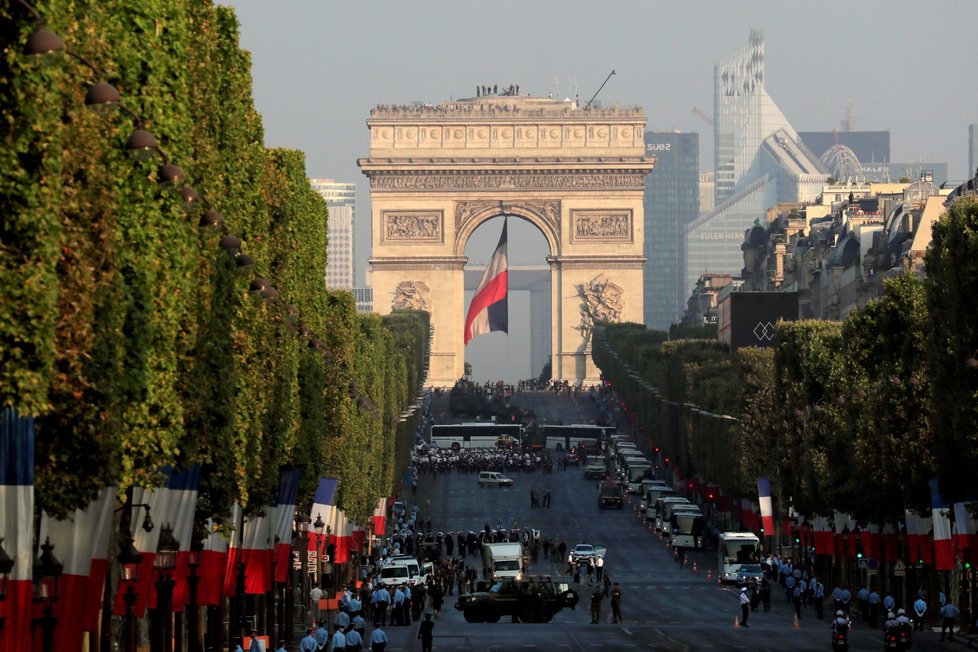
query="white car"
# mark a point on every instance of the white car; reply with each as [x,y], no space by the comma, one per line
[494,479]
[586,551]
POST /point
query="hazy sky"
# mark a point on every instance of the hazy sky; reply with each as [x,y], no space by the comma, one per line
[319,67]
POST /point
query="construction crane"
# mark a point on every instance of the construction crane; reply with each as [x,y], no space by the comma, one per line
[598,91]
[707,119]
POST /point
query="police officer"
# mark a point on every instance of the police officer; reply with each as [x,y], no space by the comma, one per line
[596,598]
[919,609]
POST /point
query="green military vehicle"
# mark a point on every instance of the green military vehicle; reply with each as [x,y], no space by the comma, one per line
[532,599]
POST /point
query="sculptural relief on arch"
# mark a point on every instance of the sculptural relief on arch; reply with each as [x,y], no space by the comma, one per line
[437,172]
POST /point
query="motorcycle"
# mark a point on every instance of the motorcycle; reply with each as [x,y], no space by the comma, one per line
[840,638]
[897,638]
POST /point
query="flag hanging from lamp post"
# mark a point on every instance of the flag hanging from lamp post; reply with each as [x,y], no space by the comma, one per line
[489,309]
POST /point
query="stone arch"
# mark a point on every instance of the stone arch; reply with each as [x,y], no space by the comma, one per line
[438,172]
[545,215]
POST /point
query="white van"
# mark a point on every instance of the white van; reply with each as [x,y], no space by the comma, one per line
[494,479]
[402,569]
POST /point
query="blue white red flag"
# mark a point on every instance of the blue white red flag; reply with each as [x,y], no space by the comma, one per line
[489,309]
[283,515]
[943,544]
[767,512]
[79,541]
[17,526]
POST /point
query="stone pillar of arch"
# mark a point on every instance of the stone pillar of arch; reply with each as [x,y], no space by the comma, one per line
[438,172]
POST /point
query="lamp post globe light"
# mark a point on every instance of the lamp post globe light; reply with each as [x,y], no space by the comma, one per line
[130,560]
[165,562]
[194,642]
[47,576]
[302,529]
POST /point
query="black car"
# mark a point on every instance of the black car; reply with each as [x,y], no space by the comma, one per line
[530,599]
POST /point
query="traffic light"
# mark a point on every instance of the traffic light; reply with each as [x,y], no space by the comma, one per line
[859,550]
[966,558]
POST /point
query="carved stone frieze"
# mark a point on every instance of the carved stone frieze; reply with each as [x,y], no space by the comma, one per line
[509,181]
[412,226]
[602,225]
[601,300]
[549,210]
[411,295]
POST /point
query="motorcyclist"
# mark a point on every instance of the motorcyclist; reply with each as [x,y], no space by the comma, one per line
[890,636]
[904,629]
[840,632]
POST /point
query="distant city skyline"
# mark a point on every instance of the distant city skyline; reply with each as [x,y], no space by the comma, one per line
[319,68]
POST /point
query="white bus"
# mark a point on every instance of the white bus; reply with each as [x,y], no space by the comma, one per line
[734,550]
[477,435]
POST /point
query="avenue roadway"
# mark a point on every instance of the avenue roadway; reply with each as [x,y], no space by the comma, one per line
[664,606]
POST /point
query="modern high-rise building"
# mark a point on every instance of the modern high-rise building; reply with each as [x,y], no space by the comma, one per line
[341,200]
[972,149]
[759,161]
[672,199]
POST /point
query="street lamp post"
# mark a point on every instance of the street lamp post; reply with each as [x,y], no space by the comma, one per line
[130,561]
[164,563]
[302,527]
[193,610]
[47,575]
[318,525]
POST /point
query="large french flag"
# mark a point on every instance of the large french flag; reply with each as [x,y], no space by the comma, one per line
[943,544]
[822,532]
[102,533]
[322,507]
[17,526]
[233,552]
[182,490]
[213,563]
[380,517]
[891,540]
[77,540]
[489,309]
[282,515]
[767,512]
[845,523]
[966,530]
[918,538]
[256,555]
[173,504]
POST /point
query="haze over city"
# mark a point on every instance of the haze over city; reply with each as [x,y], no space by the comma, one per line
[319,68]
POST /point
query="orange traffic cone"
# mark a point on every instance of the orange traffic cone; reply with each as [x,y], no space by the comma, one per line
[709,575]
[694,566]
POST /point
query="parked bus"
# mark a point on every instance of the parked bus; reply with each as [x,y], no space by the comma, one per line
[571,436]
[476,435]
[734,550]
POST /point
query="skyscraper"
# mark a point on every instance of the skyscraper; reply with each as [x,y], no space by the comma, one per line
[671,202]
[759,161]
[341,200]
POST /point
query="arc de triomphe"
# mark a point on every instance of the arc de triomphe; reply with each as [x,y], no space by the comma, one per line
[439,171]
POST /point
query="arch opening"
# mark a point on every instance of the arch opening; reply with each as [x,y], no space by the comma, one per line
[521,353]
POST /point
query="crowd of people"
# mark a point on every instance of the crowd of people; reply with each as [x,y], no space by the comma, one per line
[429,460]
[802,589]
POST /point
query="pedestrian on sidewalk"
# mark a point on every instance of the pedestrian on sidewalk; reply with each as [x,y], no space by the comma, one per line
[949,614]
[616,602]
[426,633]
[596,598]
[744,607]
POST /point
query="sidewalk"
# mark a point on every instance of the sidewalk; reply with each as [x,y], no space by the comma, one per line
[782,611]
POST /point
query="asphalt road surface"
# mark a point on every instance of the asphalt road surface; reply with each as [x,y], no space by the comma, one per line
[665,606]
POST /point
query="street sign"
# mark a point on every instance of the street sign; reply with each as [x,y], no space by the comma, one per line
[873,564]
[899,568]
[862,564]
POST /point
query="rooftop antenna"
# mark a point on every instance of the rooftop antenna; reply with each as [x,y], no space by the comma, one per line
[586,106]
